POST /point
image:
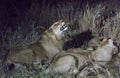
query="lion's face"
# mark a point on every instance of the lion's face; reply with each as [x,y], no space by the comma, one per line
[59,28]
[105,51]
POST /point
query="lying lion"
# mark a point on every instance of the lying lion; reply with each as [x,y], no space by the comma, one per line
[50,44]
[71,62]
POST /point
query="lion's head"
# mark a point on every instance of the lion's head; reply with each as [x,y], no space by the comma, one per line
[105,51]
[59,29]
[54,37]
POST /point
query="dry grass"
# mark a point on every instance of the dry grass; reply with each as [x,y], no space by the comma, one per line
[102,20]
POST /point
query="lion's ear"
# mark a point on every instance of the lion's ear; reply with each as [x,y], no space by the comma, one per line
[111,41]
[103,42]
[61,21]
[55,24]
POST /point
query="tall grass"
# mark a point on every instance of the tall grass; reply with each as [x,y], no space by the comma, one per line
[101,19]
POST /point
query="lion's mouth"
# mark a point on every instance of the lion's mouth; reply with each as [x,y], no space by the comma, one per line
[64,27]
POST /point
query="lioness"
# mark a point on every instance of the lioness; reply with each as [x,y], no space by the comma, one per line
[50,44]
[73,62]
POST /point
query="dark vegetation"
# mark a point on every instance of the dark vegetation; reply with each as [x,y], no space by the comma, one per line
[79,40]
[22,23]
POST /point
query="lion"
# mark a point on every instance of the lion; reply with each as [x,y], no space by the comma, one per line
[50,44]
[104,52]
[71,62]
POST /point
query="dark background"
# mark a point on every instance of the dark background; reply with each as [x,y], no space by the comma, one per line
[23,21]
[18,18]
[13,11]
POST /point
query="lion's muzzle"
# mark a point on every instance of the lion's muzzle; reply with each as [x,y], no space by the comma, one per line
[64,27]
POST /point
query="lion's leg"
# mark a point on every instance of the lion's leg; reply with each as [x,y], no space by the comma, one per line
[63,64]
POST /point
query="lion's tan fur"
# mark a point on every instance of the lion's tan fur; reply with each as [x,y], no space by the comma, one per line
[81,58]
[104,52]
[50,44]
